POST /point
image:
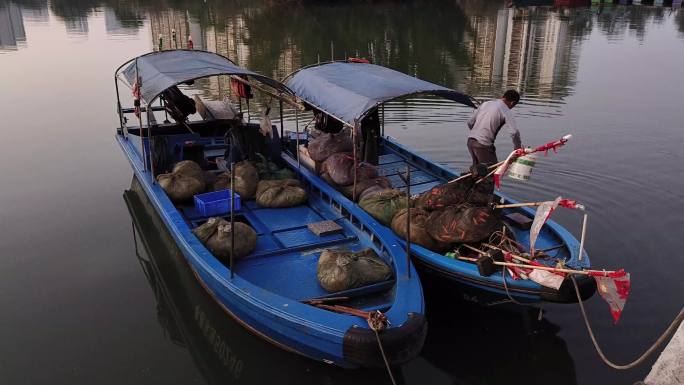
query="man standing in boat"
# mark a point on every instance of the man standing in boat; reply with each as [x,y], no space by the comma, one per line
[486,123]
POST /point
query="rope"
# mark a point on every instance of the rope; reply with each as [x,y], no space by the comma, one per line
[503,278]
[377,321]
[667,334]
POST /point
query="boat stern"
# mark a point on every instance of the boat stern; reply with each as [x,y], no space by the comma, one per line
[400,344]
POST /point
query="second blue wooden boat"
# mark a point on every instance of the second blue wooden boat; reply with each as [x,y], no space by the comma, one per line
[350,92]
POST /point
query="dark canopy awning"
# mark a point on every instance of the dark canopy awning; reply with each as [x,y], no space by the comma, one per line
[161,70]
[348,91]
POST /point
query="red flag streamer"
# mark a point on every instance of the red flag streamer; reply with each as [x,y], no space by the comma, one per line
[501,170]
[543,213]
[136,95]
[614,289]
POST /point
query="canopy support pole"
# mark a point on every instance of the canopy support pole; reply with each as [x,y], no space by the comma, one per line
[118,104]
[140,124]
[382,122]
[408,220]
[356,125]
[299,163]
[280,104]
[150,142]
[232,217]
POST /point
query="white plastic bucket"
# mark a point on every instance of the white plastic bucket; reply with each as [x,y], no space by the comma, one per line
[521,169]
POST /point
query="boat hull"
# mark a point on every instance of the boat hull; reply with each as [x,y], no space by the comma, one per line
[325,336]
[464,276]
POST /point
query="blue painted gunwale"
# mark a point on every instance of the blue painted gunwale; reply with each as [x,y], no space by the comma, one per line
[293,326]
[467,273]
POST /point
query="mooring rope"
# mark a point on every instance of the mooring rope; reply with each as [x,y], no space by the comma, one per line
[667,334]
[376,322]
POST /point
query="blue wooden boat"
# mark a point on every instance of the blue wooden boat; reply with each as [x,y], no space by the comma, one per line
[268,292]
[220,348]
[352,91]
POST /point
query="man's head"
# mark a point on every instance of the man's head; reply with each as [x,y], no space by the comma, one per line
[511,98]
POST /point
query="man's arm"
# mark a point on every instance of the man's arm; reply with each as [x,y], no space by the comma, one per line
[473,119]
[512,128]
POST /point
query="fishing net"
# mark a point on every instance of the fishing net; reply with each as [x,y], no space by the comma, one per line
[185,181]
[340,168]
[215,234]
[246,180]
[372,191]
[451,194]
[324,145]
[340,270]
[384,205]
[363,184]
[462,224]
[268,170]
[280,193]
[419,234]
[188,168]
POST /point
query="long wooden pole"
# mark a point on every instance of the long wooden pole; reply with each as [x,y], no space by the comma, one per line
[527,262]
[492,167]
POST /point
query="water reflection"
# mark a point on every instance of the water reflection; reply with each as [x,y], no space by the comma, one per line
[479,47]
[12,33]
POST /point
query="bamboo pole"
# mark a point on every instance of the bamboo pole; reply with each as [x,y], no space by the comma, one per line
[492,167]
[512,205]
[528,261]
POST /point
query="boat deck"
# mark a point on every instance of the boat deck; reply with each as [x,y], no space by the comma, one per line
[286,255]
[392,165]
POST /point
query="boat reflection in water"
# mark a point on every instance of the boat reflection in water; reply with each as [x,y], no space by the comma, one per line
[495,344]
[466,344]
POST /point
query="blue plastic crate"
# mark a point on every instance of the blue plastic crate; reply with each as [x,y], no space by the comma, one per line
[216,203]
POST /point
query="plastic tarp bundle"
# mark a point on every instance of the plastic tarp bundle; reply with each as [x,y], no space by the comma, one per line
[340,270]
[462,224]
[183,182]
[280,193]
[216,235]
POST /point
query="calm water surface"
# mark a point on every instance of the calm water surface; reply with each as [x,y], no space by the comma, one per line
[85,301]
